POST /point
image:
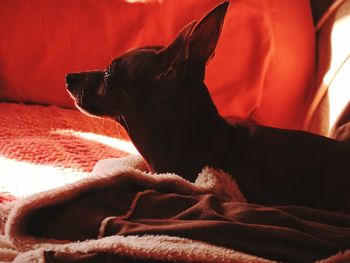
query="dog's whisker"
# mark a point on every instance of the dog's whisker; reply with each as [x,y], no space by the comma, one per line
[81,96]
[118,123]
[126,124]
[118,126]
[77,98]
[118,118]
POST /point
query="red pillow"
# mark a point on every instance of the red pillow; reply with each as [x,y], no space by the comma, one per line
[264,62]
[262,66]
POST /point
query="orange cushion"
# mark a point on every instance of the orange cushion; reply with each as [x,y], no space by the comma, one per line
[261,69]
[264,62]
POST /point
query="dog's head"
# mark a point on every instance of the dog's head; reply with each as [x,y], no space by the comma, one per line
[141,81]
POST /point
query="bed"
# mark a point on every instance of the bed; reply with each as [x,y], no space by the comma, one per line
[74,189]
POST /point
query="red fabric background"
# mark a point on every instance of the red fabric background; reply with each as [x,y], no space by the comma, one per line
[261,70]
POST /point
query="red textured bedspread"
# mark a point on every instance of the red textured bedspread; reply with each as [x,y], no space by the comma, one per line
[46,146]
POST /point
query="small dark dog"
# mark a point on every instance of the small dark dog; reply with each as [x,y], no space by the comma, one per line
[157,93]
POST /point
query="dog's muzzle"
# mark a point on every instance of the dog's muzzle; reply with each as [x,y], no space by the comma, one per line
[72,83]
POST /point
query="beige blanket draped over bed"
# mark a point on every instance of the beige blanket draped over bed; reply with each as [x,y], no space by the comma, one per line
[123,212]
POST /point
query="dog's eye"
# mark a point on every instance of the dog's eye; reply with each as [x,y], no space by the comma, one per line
[106,75]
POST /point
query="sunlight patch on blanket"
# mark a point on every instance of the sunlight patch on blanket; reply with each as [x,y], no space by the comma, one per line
[21,179]
[119,144]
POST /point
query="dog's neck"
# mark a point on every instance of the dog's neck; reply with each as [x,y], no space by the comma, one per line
[191,135]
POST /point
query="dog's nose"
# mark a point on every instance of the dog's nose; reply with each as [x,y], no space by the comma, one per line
[72,78]
[72,81]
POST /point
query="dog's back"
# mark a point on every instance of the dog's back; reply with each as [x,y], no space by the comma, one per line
[280,167]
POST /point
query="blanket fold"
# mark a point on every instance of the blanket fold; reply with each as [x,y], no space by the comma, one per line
[123,212]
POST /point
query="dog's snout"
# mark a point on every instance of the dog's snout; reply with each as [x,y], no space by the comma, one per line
[72,81]
[88,81]
[72,78]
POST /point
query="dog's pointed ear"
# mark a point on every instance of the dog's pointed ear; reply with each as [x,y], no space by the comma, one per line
[195,42]
[205,35]
[177,52]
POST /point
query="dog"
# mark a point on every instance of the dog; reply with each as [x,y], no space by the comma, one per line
[158,95]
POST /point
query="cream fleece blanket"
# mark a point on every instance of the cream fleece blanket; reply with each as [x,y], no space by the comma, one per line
[43,243]
[19,246]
